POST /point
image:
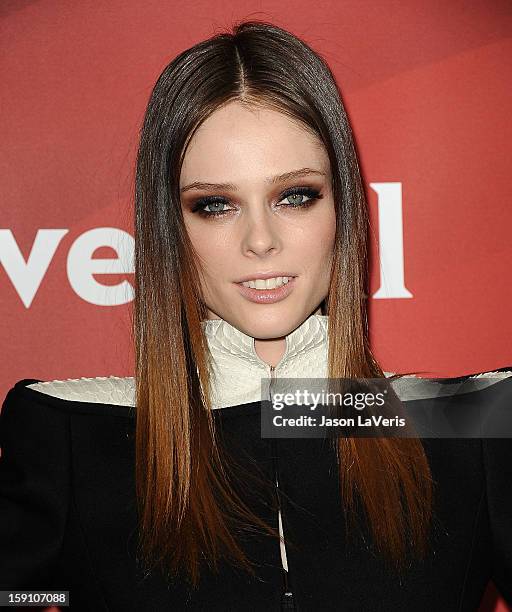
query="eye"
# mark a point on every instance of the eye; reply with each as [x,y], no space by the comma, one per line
[295,196]
[215,203]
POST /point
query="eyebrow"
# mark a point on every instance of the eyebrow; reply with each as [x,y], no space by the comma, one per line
[271,180]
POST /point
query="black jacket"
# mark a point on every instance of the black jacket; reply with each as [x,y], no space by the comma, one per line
[68,517]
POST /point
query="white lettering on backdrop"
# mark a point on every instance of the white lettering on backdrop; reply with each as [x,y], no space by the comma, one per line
[26,276]
[391,242]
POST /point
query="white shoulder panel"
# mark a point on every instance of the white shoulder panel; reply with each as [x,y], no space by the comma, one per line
[121,391]
[411,387]
[101,390]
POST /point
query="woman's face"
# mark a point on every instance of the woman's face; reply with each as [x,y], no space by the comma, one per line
[245,163]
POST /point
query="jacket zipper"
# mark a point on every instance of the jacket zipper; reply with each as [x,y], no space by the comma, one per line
[272,372]
[287,600]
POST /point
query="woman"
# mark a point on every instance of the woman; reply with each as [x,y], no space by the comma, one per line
[159,492]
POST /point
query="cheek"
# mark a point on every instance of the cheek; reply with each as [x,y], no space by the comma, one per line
[196,233]
[211,249]
[203,239]
[328,237]
[327,233]
[316,241]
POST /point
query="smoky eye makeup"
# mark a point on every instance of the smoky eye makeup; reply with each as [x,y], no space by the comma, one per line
[296,198]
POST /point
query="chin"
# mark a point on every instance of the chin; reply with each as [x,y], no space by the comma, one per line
[280,323]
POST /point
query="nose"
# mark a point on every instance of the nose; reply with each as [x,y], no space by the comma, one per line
[261,234]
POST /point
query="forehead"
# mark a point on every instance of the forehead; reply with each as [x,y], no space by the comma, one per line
[241,142]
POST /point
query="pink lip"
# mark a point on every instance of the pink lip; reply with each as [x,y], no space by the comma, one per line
[267,296]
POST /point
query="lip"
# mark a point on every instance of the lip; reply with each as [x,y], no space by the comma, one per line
[267,296]
[263,276]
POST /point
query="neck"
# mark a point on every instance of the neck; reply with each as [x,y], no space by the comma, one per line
[270,351]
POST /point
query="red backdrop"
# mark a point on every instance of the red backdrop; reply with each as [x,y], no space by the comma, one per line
[426,85]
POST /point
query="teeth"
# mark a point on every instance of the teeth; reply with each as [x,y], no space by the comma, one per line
[269,283]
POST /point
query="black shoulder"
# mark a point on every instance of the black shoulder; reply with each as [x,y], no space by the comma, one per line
[492,393]
[34,486]
[22,419]
[497,458]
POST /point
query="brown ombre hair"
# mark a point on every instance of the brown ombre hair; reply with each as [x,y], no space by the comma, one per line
[183,489]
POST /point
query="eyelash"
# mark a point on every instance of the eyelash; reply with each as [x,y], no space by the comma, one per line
[313,195]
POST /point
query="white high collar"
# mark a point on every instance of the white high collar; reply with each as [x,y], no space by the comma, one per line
[238,370]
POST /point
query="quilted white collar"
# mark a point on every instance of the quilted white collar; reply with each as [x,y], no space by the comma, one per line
[238,369]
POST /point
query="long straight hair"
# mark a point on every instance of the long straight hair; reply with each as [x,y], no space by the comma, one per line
[186,502]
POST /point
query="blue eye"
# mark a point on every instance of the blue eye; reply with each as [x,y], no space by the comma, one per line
[294,194]
[299,192]
[214,203]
